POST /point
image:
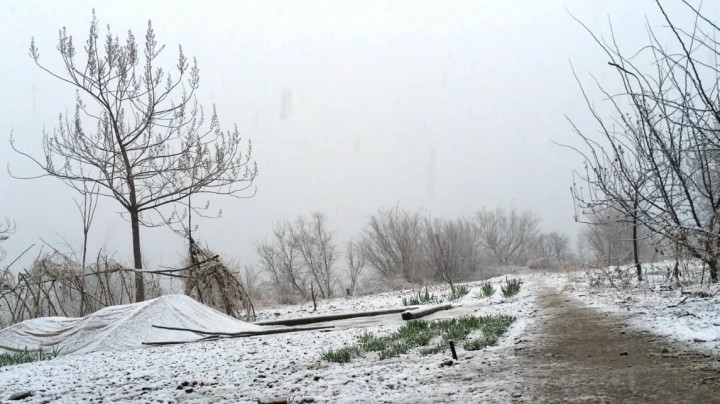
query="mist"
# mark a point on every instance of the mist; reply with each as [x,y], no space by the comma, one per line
[441,107]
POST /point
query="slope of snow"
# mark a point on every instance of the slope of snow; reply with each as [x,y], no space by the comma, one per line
[290,365]
[120,327]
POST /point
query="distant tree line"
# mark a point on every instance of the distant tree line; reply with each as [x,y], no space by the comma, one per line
[301,257]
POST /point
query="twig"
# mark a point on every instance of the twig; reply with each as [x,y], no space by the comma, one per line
[681,302]
[19,256]
[706,379]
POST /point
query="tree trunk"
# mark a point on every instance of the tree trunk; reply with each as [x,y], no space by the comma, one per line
[635,242]
[137,255]
[713,264]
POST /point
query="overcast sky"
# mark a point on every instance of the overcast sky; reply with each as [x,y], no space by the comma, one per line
[445,106]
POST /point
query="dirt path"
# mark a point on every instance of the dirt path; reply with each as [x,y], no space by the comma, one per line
[581,355]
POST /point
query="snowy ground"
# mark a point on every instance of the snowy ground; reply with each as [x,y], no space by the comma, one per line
[242,370]
[680,314]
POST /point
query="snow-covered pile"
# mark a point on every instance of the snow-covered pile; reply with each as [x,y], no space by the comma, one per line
[120,327]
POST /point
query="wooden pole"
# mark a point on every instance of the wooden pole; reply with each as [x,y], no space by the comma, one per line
[452,350]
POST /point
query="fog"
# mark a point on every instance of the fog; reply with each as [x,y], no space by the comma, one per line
[351,106]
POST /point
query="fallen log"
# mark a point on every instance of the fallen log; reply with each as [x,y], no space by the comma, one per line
[409,315]
[333,317]
[212,336]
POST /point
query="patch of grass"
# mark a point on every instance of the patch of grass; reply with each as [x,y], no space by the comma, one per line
[27,356]
[342,355]
[487,289]
[459,292]
[511,287]
[492,328]
[422,298]
[432,336]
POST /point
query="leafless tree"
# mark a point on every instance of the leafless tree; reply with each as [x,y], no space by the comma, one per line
[392,244]
[355,260]
[138,133]
[451,249]
[251,279]
[300,256]
[317,250]
[553,246]
[280,259]
[657,157]
[7,227]
[508,235]
[609,238]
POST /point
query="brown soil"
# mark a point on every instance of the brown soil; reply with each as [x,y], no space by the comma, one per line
[581,355]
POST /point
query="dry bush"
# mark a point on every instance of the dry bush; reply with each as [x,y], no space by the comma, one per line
[211,282]
[57,285]
[616,278]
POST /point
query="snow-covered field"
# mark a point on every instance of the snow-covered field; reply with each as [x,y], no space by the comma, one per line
[288,365]
[687,313]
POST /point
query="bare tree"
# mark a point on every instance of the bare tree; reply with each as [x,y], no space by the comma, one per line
[317,250]
[251,279]
[553,246]
[280,259]
[392,244]
[137,132]
[657,158]
[355,260]
[508,235]
[7,227]
[300,256]
[451,249]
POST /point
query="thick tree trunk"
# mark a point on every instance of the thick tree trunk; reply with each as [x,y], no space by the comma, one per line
[137,255]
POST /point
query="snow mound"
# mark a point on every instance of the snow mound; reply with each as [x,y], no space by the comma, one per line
[120,327]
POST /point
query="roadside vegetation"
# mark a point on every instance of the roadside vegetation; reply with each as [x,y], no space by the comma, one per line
[432,336]
[27,356]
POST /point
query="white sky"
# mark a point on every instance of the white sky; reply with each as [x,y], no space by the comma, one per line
[446,106]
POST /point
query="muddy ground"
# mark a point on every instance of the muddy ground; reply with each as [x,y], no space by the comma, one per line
[581,355]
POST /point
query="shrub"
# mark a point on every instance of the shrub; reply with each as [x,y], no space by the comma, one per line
[459,292]
[487,289]
[422,298]
[511,287]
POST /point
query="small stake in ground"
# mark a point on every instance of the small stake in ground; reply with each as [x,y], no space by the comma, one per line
[452,349]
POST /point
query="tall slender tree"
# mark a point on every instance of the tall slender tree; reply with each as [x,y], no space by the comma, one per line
[138,133]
